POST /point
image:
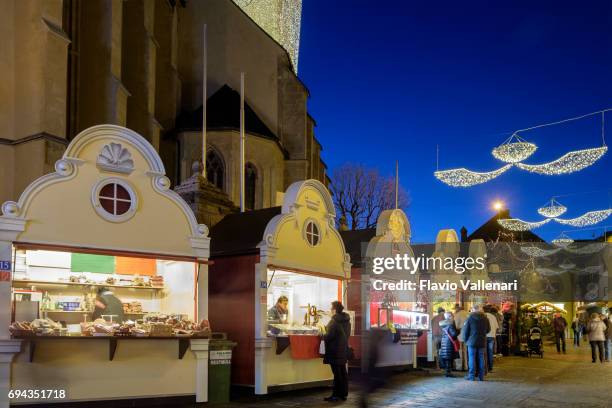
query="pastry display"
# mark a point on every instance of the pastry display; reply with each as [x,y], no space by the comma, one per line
[157,281]
[21,329]
[132,308]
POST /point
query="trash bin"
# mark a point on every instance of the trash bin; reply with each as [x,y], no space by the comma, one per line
[219,368]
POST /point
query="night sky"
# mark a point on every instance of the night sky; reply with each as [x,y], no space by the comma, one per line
[390,83]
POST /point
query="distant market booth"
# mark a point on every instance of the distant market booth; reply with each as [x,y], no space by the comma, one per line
[291,253]
[104,279]
[396,316]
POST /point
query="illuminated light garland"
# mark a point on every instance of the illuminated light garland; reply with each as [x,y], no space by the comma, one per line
[547,271]
[568,163]
[465,178]
[280,19]
[562,241]
[590,218]
[514,152]
[552,209]
[515,224]
[567,265]
[539,252]
[591,269]
[587,249]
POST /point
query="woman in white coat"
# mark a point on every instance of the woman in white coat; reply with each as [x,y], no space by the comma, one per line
[597,335]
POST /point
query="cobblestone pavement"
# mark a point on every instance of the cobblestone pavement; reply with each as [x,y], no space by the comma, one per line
[557,380]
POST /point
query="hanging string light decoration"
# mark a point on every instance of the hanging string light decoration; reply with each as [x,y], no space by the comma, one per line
[514,150]
[552,209]
[587,249]
[515,224]
[590,218]
[568,163]
[537,252]
[562,241]
[465,178]
[567,265]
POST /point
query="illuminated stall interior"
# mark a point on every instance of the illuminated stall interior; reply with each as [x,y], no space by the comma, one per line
[62,285]
[303,292]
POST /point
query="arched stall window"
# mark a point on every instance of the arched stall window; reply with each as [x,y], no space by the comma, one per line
[215,171]
[250,185]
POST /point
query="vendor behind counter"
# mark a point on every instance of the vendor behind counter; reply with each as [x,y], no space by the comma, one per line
[108,304]
[279,312]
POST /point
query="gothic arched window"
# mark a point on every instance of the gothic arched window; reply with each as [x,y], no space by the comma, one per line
[214,169]
[250,185]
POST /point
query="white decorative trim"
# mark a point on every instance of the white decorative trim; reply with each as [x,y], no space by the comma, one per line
[67,168]
[115,158]
[384,220]
[294,190]
[201,246]
[11,227]
[160,184]
[120,134]
[64,167]
[95,200]
[289,214]
[10,209]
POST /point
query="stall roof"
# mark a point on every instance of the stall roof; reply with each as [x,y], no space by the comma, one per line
[240,233]
[353,240]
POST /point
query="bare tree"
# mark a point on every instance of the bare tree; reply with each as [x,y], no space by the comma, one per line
[361,194]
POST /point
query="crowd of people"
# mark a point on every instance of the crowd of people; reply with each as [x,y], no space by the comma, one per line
[472,337]
[475,337]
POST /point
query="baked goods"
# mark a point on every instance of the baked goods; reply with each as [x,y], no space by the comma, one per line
[157,281]
[45,327]
[160,330]
[21,329]
[132,308]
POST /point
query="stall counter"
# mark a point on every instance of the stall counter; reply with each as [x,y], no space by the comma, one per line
[285,372]
[140,368]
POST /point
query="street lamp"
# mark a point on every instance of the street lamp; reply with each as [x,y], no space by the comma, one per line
[498,205]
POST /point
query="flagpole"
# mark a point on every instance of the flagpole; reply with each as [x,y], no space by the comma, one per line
[204,80]
[242,141]
[396,183]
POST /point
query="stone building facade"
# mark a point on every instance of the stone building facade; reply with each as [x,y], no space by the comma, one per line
[71,64]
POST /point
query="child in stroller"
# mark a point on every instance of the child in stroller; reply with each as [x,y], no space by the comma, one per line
[534,342]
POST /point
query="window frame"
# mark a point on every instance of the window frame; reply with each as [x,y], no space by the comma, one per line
[101,211]
[307,233]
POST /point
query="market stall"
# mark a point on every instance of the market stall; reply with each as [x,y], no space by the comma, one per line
[275,273]
[104,281]
[396,313]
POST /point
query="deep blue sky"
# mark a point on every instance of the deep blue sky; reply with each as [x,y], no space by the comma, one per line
[391,80]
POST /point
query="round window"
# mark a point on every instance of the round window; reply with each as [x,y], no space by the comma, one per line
[313,235]
[114,200]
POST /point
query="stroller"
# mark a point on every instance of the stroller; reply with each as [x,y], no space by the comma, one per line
[534,342]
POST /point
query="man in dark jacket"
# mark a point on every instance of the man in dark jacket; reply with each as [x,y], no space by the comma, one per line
[475,332]
[559,324]
[336,350]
